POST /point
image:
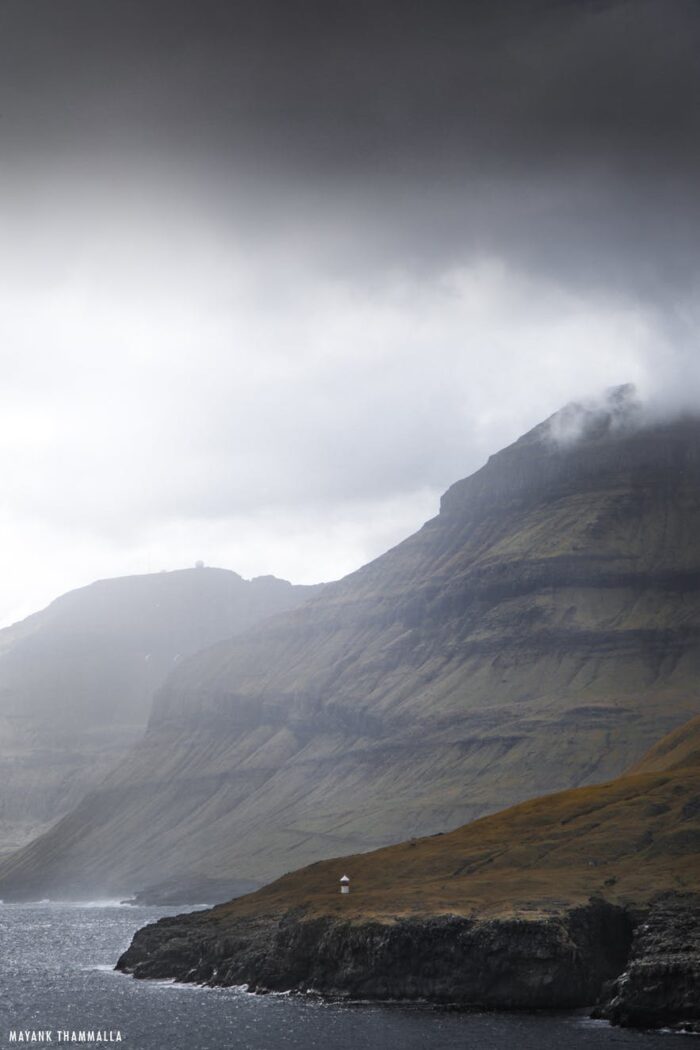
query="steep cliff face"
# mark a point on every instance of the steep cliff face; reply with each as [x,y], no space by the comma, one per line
[547,963]
[660,984]
[78,678]
[541,632]
[537,906]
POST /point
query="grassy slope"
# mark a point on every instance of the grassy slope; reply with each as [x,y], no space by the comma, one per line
[625,840]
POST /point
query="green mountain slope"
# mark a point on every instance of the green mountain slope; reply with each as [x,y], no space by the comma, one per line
[77,679]
[540,633]
[626,840]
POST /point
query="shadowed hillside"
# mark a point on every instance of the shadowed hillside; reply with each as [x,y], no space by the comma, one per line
[77,679]
[540,633]
[626,840]
[679,749]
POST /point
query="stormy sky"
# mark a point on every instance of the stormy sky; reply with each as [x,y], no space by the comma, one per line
[276,272]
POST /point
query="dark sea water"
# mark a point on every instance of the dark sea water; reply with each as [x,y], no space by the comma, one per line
[56,973]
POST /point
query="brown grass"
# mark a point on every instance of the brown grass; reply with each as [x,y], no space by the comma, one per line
[625,840]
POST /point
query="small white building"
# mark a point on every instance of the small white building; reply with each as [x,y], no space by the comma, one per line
[345,884]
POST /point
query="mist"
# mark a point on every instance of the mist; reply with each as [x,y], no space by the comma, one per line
[276,275]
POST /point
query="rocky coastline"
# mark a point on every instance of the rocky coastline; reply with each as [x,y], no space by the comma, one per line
[547,962]
[509,963]
[660,985]
[589,896]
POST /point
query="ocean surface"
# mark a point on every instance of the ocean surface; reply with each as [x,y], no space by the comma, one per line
[56,975]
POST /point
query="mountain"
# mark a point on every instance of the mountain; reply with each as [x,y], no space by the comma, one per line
[77,679]
[626,840]
[540,633]
[534,906]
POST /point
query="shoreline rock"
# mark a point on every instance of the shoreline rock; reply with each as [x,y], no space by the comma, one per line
[642,966]
[554,962]
[660,985]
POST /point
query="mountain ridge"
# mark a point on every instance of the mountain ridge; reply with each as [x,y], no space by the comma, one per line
[77,678]
[540,633]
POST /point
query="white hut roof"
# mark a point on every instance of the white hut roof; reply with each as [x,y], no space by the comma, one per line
[345,879]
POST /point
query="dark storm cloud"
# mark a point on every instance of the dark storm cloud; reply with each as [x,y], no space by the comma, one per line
[349,82]
[563,134]
[276,272]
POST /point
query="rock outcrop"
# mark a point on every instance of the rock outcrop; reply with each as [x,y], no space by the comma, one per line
[547,963]
[541,632]
[78,678]
[660,985]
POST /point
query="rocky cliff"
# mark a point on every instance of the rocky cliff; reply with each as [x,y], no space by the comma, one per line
[549,963]
[660,984]
[539,633]
[78,678]
[538,906]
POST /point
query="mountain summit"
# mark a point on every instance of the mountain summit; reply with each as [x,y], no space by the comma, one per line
[77,678]
[540,633]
